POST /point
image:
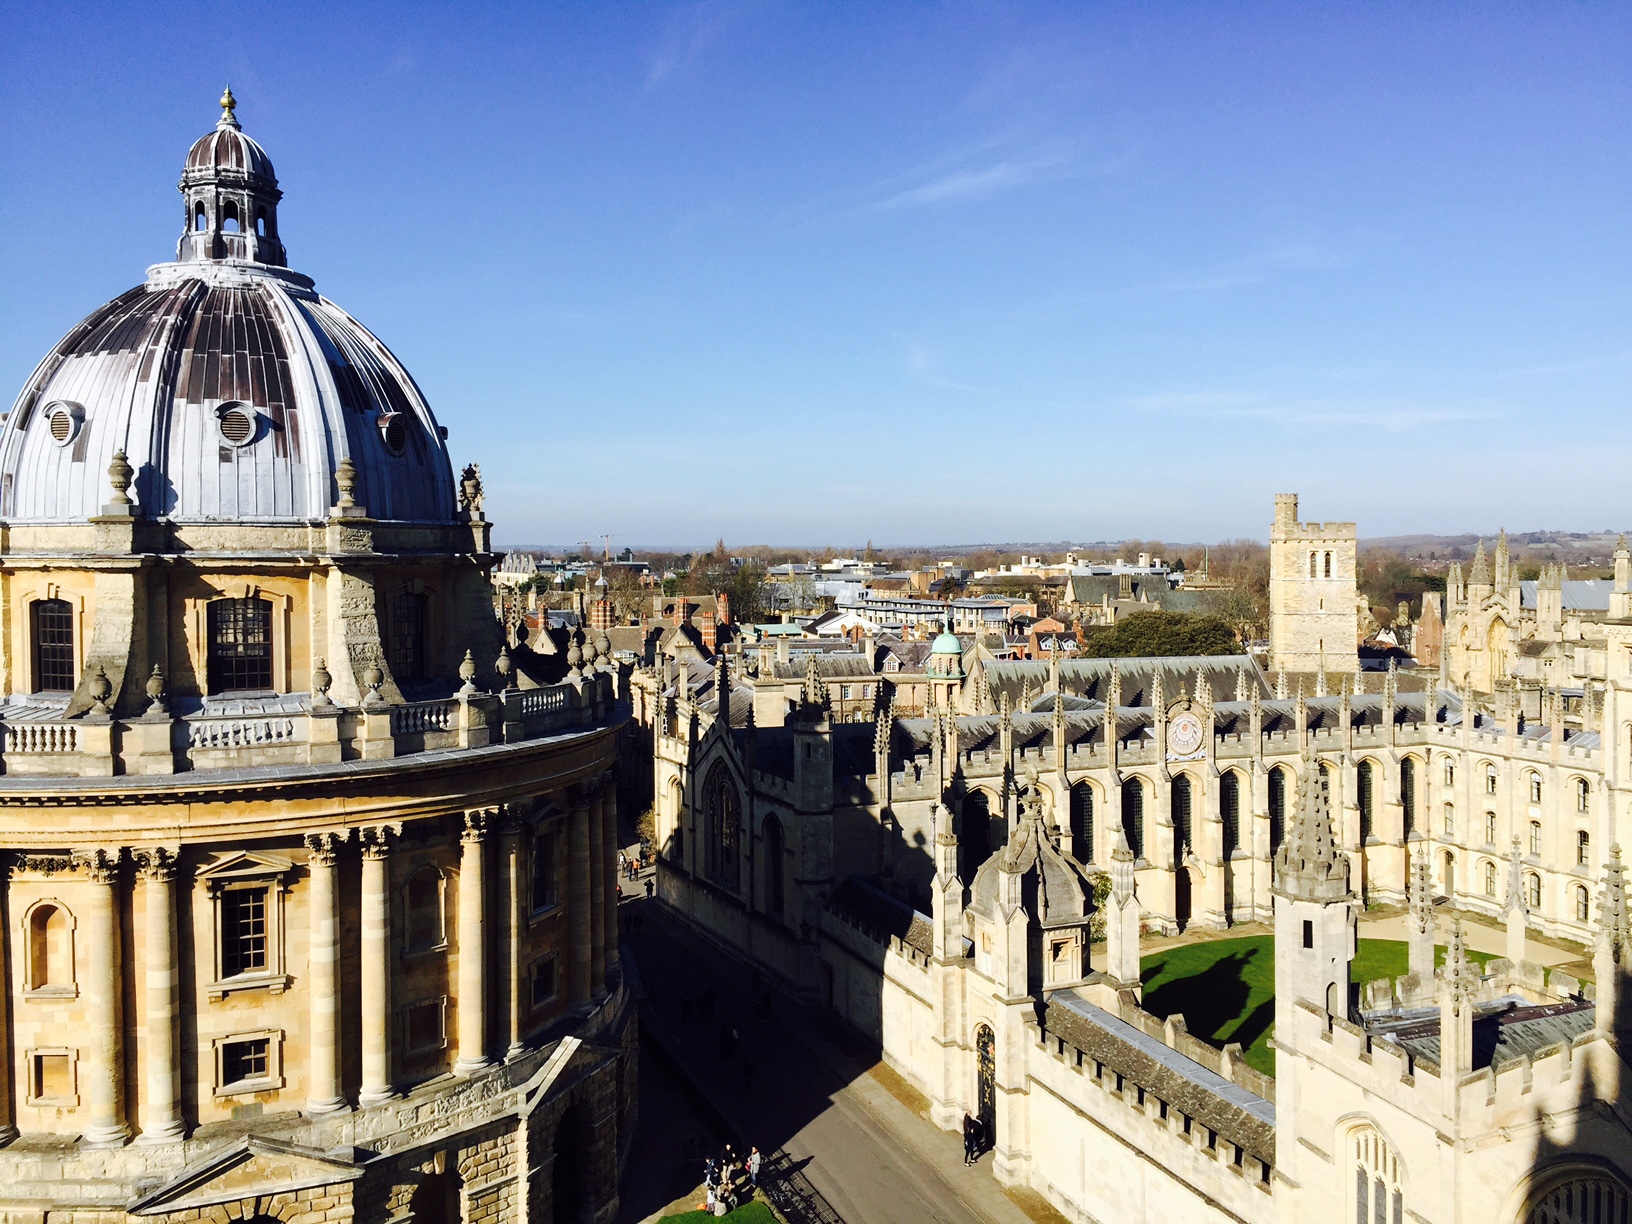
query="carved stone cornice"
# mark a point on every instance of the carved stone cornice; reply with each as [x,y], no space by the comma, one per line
[44,864]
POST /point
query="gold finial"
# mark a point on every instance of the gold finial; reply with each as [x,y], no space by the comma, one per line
[227,103]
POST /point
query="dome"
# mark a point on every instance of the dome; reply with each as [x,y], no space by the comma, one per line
[232,387]
[947,644]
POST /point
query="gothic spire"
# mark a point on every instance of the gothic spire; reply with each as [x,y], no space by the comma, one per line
[1479,575]
[1310,866]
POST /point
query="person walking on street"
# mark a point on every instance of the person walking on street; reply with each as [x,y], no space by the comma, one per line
[971,1139]
[649,887]
[754,1161]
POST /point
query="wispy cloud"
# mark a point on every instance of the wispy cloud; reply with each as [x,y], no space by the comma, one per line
[924,364]
[1316,412]
[1255,267]
[687,35]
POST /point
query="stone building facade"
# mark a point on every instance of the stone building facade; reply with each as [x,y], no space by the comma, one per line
[928,881]
[309,910]
[1314,622]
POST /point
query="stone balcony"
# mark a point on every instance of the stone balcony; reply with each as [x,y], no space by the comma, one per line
[37,739]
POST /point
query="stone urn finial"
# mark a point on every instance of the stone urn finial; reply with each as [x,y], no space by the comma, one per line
[120,474]
[575,659]
[155,692]
[101,690]
[467,673]
[321,680]
[590,652]
[373,677]
[345,479]
[505,666]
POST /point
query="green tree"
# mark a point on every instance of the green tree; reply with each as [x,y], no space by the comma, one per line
[1158,634]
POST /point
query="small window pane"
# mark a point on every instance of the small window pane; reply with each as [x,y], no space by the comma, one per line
[243,931]
[53,634]
[244,1060]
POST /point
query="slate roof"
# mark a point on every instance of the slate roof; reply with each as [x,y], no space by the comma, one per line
[1504,1030]
[1580,594]
[880,915]
[1090,677]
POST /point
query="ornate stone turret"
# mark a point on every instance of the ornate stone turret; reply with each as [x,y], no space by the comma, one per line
[1612,953]
[1314,907]
[1479,575]
[1515,913]
[1420,926]
[1122,918]
[1504,571]
[1458,982]
[232,197]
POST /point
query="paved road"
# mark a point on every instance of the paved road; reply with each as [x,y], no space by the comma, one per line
[790,1084]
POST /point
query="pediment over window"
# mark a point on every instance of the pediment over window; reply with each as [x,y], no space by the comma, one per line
[249,1169]
[243,866]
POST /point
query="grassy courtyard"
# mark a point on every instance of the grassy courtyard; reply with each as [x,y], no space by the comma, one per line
[1225,988]
[753,1212]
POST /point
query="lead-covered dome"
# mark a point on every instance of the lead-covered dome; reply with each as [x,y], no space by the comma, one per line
[233,389]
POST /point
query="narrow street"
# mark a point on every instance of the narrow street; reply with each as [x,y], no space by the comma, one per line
[792,1083]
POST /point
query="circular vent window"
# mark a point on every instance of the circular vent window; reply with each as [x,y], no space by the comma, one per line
[63,420]
[237,423]
[394,431]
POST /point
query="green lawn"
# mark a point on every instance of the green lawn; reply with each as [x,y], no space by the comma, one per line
[1225,989]
[753,1212]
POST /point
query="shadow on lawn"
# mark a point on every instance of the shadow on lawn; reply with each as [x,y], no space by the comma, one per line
[1211,1000]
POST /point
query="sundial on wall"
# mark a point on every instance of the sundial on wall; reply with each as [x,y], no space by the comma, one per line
[1184,736]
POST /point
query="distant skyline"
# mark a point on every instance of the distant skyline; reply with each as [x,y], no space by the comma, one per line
[784,273]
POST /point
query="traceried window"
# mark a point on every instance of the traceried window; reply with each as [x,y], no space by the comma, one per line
[1277,808]
[1133,816]
[243,931]
[1378,1187]
[1364,775]
[240,656]
[722,816]
[1408,793]
[407,657]
[1183,833]
[1229,810]
[1592,1198]
[1082,822]
[51,626]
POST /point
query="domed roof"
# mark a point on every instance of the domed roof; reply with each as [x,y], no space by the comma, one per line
[227,148]
[1052,886]
[234,390]
[947,644]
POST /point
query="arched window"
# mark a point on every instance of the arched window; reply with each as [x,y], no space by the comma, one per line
[1133,816]
[1490,779]
[1583,795]
[1365,784]
[229,218]
[1535,788]
[775,895]
[1591,1198]
[50,963]
[1082,822]
[51,633]
[1328,572]
[722,816]
[1532,890]
[1450,820]
[1487,877]
[426,917]
[1229,810]
[1490,828]
[201,220]
[1378,1186]
[1183,833]
[1583,848]
[1450,772]
[1535,838]
[240,655]
[1314,561]
[1277,808]
[1408,793]
[1583,904]
[407,641]
[260,222]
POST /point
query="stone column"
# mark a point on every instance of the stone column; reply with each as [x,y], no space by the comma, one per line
[512,898]
[376,968]
[161,1104]
[609,815]
[473,945]
[104,1047]
[597,893]
[8,1063]
[578,898]
[323,1091]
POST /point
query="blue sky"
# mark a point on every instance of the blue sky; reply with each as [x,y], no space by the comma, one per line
[917,273]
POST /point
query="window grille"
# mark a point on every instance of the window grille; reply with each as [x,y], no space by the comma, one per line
[240,645]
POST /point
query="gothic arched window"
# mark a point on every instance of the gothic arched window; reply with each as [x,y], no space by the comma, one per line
[1082,822]
[1229,810]
[1363,781]
[1277,808]
[1133,816]
[722,816]
[1589,1198]
[1183,839]
[1379,1190]
[1408,793]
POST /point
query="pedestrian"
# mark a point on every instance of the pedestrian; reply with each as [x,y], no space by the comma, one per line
[649,888]
[754,1161]
[623,862]
[971,1140]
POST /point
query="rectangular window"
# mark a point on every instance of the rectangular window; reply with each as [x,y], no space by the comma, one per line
[52,1077]
[240,657]
[544,982]
[1308,934]
[407,657]
[53,641]
[1583,848]
[424,1028]
[245,1060]
[546,891]
[243,931]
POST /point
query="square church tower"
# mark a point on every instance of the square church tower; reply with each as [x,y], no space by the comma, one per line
[1313,602]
